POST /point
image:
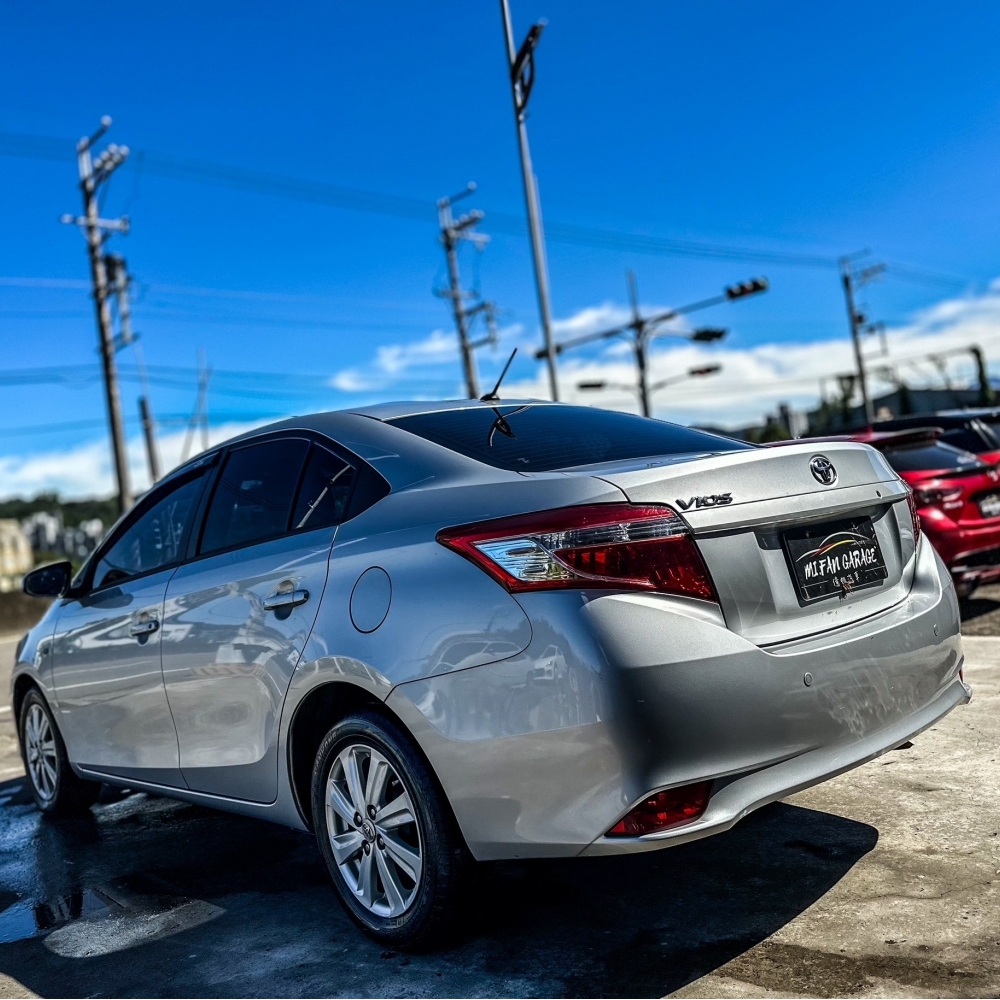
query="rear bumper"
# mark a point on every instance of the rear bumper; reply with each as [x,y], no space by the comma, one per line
[620,695]
[732,800]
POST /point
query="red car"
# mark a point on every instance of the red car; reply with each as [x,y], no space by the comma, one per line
[957,496]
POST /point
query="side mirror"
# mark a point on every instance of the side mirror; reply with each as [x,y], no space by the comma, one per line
[48,581]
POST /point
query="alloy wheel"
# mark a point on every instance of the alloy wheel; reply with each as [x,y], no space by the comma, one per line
[40,750]
[373,830]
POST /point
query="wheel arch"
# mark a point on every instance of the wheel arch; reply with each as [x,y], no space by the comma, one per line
[23,683]
[315,714]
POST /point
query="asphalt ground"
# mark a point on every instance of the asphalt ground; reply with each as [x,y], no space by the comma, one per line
[882,882]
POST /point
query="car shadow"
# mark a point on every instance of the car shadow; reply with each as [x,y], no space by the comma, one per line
[150,897]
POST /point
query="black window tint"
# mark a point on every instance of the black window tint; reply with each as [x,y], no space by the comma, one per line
[154,540]
[253,497]
[923,457]
[993,426]
[325,491]
[964,438]
[541,437]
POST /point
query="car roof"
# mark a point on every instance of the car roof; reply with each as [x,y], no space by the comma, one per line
[390,411]
[973,413]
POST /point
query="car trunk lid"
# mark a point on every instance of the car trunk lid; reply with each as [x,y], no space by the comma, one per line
[741,506]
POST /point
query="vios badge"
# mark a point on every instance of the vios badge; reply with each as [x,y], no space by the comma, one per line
[822,469]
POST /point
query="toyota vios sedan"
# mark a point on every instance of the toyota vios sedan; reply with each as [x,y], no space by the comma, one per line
[431,632]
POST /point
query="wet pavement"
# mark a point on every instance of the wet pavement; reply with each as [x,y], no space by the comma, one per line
[882,882]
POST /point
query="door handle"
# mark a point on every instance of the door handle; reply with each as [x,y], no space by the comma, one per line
[286,599]
[144,628]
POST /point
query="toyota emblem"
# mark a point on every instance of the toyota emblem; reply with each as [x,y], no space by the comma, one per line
[822,469]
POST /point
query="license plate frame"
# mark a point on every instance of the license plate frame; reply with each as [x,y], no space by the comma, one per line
[834,558]
[989,505]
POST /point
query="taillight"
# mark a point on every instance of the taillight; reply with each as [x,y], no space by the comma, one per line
[914,516]
[936,497]
[664,810]
[614,546]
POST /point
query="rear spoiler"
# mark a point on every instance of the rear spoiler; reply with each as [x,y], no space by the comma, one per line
[912,435]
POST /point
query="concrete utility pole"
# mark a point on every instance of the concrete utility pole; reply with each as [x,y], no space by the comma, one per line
[857,320]
[200,415]
[453,232]
[120,281]
[522,79]
[94,173]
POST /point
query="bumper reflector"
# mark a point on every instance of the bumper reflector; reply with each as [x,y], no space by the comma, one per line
[664,810]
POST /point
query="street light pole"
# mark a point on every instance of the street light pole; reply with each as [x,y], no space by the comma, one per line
[645,328]
[522,77]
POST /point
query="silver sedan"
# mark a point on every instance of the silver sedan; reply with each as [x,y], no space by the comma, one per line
[446,632]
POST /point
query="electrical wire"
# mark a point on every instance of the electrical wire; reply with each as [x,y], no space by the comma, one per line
[416,209]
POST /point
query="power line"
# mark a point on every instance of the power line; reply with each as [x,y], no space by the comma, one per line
[416,209]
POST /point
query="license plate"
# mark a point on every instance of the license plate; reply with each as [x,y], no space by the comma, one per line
[834,558]
[990,506]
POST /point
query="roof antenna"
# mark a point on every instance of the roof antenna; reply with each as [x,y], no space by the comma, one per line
[492,395]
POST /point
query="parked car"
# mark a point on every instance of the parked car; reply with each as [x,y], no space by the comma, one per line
[958,500]
[436,632]
[977,431]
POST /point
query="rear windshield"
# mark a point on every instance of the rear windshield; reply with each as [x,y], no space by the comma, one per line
[544,437]
[923,456]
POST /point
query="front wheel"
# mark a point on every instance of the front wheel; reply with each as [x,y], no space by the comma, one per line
[386,835]
[54,787]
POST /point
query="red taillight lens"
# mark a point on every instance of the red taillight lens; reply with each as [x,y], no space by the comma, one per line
[664,810]
[934,497]
[911,502]
[616,546]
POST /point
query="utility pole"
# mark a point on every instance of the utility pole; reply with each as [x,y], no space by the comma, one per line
[120,281]
[644,328]
[200,415]
[453,232]
[852,280]
[522,79]
[94,173]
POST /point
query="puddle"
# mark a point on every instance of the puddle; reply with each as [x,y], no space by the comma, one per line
[105,919]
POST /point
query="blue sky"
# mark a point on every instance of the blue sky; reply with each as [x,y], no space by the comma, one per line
[797,129]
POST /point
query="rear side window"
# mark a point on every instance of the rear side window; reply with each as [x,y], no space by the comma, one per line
[923,457]
[154,540]
[965,438]
[325,491]
[544,437]
[254,495]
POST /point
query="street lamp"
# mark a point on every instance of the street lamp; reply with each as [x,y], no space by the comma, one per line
[698,372]
[644,328]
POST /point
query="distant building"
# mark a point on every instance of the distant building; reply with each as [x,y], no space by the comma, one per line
[47,534]
[16,557]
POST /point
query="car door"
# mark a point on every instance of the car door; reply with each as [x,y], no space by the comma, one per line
[112,705]
[237,616]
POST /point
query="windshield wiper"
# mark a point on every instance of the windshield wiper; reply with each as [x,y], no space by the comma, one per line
[501,425]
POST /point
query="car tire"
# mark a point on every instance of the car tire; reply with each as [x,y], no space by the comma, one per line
[380,818]
[57,791]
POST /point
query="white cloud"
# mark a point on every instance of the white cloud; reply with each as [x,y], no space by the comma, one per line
[435,356]
[753,382]
[86,469]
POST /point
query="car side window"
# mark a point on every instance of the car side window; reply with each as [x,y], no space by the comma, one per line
[254,494]
[325,491]
[154,540]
